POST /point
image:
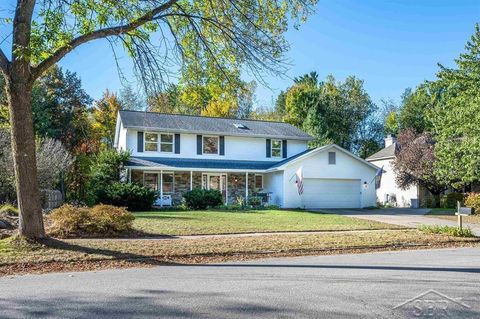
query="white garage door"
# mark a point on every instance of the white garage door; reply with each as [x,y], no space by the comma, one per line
[331,193]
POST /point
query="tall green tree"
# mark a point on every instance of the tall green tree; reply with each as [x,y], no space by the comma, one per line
[416,105]
[60,108]
[334,112]
[456,117]
[205,35]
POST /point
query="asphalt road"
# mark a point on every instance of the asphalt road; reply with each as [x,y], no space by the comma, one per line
[341,286]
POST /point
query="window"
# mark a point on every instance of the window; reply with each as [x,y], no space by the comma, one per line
[276,148]
[331,158]
[151,142]
[168,182]
[210,145]
[151,180]
[259,181]
[166,143]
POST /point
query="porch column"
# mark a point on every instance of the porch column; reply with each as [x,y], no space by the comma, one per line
[246,188]
[129,175]
[161,188]
[191,180]
[226,188]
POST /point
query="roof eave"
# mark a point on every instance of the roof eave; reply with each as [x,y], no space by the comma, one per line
[370,159]
[196,169]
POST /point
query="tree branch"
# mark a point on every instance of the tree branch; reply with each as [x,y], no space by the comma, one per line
[4,63]
[99,34]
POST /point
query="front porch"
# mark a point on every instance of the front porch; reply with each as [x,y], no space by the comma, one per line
[175,183]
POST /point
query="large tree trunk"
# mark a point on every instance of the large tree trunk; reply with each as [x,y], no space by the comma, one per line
[19,90]
[23,147]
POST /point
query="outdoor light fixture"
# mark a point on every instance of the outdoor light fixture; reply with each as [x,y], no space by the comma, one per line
[365,185]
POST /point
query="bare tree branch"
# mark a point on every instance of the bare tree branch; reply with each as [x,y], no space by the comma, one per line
[99,34]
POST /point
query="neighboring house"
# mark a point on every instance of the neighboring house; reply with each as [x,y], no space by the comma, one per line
[389,192]
[176,153]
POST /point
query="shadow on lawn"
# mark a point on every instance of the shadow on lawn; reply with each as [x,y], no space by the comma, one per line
[117,255]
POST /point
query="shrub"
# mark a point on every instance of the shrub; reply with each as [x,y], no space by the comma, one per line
[109,220]
[202,198]
[473,200]
[271,207]
[101,220]
[447,230]
[255,201]
[450,200]
[133,196]
[68,220]
[8,209]
[105,170]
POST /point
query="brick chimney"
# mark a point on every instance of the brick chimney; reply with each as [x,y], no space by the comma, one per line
[390,139]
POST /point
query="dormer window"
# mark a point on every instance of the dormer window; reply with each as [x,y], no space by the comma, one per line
[276,148]
[240,126]
[210,145]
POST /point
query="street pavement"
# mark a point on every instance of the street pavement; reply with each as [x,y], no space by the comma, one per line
[445,283]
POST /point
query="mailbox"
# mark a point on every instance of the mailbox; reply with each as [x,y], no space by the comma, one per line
[464,211]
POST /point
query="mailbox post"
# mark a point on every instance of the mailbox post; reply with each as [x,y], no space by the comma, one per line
[462,211]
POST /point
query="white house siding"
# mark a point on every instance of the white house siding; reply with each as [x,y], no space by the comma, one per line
[316,166]
[122,141]
[273,182]
[236,148]
[388,186]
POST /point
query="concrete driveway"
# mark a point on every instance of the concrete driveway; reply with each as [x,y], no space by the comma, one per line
[338,286]
[407,217]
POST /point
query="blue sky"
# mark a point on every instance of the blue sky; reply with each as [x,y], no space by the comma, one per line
[391,45]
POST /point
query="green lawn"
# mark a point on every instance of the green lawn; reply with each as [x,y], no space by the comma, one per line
[228,222]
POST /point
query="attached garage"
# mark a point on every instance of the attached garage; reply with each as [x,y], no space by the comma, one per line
[332,178]
[331,193]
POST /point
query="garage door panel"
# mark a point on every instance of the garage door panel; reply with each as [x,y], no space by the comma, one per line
[331,193]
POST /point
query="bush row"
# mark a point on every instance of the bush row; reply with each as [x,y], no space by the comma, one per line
[470,200]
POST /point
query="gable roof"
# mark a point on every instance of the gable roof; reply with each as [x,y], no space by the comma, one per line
[385,153]
[306,154]
[210,125]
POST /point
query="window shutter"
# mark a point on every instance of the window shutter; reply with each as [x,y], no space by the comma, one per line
[284,148]
[269,147]
[140,142]
[199,145]
[177,143]
[222,145]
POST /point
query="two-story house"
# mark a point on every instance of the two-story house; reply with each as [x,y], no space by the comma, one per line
[241,158]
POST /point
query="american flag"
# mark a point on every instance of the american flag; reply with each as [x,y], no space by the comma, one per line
[378,178]
[299,181]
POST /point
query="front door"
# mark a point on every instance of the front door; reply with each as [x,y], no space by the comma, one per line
[218,182]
